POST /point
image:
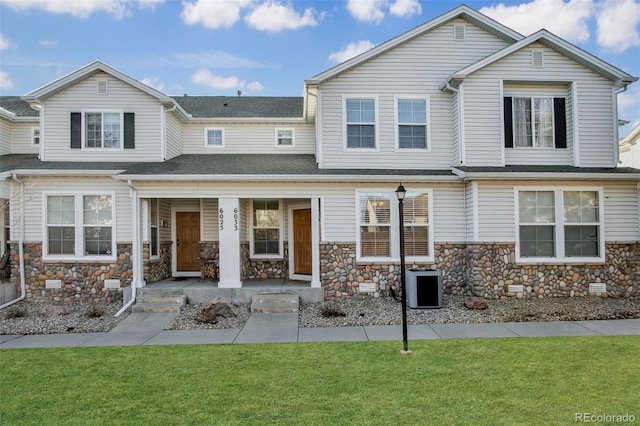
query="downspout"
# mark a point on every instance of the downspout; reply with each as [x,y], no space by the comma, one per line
[135,252]
[460,127]
[617,133]
[164,131]
[23,284]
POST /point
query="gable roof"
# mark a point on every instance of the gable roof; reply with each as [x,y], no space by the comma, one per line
[14,108]
[462,11]
[87,71]
[554,42]
[241,106]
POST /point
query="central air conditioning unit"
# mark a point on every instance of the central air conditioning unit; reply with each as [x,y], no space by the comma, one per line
[424,289]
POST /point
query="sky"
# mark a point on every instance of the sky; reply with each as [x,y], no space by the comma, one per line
[269,47]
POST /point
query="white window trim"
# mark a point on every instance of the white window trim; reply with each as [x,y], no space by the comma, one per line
[147,224]
[396,123]
[376,124]
[293,137]
[559,226]
[33,136]
[79,226]
[83,122]
[252,254]
[394,234]
[206,137]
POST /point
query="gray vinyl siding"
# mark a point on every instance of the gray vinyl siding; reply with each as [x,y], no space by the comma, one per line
[457,154]
[34,202]
[339,215]
[483,126]
[248,138]
[496,212]
[621,212]
[5,136]
[83,96]
[468,207]
[21,142]
[173,137]
[416,68]
[164,207]
[448,218]
[210,227]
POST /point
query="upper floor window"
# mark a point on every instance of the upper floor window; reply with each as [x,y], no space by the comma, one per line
[266,241]
[284,138]
[79,225]
[35,136]
[535,122]
[412,123]
[361,123]
[214,137]
[555,224]
[103,130]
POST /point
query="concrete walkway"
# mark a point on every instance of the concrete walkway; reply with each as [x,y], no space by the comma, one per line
[149,329]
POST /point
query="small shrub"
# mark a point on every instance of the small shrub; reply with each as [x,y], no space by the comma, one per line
[329,311]
[16,312]
[94,312]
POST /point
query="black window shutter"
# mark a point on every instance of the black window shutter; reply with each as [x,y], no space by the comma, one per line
[508,122]
[76,130]
[560,122]
[129,130]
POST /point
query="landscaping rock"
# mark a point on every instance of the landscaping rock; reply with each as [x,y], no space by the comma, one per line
[55,310]
[479,303]
[220,307]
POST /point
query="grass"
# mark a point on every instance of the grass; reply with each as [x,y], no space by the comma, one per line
[477,381]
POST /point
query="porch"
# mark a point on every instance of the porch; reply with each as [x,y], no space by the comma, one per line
[203,291]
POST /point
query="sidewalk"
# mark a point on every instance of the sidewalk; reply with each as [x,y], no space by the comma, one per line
[148,329]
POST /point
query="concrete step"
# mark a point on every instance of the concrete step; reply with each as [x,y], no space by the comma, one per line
[275,303]
[156,307]
[180,299]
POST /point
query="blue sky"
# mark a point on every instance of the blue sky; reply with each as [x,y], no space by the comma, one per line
[268,47]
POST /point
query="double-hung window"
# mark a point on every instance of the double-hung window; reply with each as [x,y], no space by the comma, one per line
[284,138]
[35,136]
[103,130]
[79,225]
[360,123]
[213,138]
[412,123]
[556,224]
[266,241]
[535,122]
[154,233]
[378,231]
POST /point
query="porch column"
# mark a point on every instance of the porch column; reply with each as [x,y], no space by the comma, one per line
[315,242]
[229,243]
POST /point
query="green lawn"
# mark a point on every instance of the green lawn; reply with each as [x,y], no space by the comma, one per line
[489,381]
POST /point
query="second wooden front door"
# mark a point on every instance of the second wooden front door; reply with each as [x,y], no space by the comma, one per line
[302,241]
[188,241]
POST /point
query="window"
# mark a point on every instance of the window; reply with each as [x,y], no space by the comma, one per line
[79,225]
[153,228]
[102,130]
[378,231]
[284,137]
[361,123]
[6,225]
[560,224]
[375,225]
[412,123]
[35,136]
[535,122]
[214,137]
[266,241]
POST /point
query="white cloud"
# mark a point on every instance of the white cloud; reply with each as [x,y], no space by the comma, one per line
[5,80]
[153,82]
[567,20]
[629,104]
[405,8]
[367,10]
[352,50]
[618,22]
[274,17]
[205,78]
[254,86]
[213,14]
[5,43]
[81,9]
[47,43]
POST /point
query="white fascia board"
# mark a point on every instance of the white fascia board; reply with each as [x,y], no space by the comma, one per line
[463,11]
[248,120]
[70,173]
[545,176]
[294,178]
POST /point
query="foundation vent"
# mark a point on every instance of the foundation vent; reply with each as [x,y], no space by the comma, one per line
[515,288]
[597,288]
[53,284]
[111,284]
[367,287]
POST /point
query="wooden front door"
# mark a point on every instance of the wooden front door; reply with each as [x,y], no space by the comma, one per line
[302,241]
[188,241]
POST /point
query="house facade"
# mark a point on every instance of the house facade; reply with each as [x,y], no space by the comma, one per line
[507,146]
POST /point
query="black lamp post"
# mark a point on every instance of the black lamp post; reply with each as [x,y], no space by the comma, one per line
[400,193]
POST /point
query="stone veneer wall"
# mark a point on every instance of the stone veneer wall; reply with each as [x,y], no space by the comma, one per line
[341,276]
[80,280]
[492,269]
[160,268]
[264,269]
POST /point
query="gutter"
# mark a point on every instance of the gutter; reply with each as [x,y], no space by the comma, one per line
[23,284]
[289,177]
[135,252]
[468,176]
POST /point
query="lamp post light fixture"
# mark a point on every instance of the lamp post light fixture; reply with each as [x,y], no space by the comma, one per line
[401,193]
